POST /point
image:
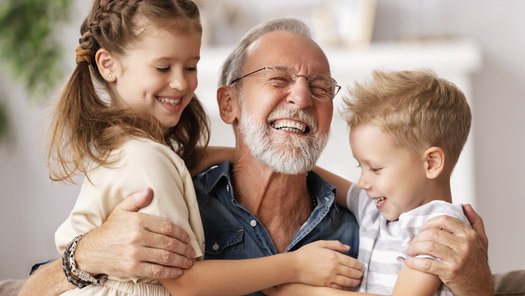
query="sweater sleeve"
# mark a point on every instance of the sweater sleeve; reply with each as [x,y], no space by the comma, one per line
[141,163]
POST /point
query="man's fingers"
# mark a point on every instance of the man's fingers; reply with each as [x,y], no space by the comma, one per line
[425,244]
[166,258]
[164,226]
[349,262]
[446,223]
[342,282]
[136,201]
[146,269]
[164,242]
[476,222]
[426,265]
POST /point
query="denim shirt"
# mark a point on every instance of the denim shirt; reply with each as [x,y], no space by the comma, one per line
[232,232]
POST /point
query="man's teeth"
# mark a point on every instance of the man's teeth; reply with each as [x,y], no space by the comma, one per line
[381,199]
[290,126]
[170,101]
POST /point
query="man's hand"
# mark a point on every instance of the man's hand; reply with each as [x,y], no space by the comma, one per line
[463,252]
[132,244]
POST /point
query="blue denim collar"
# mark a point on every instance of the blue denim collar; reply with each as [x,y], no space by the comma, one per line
[319,188]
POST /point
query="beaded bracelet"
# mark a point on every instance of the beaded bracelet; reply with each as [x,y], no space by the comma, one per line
[74,275]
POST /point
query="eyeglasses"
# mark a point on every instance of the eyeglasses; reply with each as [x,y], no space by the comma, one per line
[322,88]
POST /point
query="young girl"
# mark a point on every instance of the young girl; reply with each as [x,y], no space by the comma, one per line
[144,55]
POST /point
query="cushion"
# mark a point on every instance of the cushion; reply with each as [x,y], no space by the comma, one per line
[510,283]
[10,287]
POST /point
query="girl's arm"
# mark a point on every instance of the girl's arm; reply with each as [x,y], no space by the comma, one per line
[318,263]
[302,289]
[341,184]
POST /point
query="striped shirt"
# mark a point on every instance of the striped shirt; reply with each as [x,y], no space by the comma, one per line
[383,244]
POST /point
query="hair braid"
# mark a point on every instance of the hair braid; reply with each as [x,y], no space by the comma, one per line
[86,127]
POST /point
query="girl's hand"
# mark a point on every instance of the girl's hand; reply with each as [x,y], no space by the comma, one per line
[322,263]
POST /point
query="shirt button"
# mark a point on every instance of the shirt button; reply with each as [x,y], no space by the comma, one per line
[215,247]
[253,223]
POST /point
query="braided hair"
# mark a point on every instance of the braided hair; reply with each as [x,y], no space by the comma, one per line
[87,126]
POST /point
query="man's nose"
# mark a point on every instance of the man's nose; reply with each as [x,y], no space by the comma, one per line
[300,94]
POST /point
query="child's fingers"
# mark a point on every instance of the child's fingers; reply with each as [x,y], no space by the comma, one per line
[350,262]
[333,245]
[345,282]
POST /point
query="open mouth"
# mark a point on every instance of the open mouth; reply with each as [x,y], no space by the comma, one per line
[169,100]
[292,126]
[380,202]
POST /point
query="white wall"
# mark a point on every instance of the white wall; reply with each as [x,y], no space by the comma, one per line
[499,108]
[33,207]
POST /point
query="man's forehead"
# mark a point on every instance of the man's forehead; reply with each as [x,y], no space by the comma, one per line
[289,49]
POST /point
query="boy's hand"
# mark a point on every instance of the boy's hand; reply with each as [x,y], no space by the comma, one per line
[322,263]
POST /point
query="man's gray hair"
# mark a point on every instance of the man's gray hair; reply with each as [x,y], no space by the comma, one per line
[232,67]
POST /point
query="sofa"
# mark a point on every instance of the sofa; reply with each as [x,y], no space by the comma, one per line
[506,284]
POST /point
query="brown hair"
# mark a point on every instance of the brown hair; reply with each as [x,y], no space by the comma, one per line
[86,127]
[417,107]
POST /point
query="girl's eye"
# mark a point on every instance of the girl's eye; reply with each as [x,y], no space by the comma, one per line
[163,69]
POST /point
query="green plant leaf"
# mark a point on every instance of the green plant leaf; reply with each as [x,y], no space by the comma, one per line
[28,47]
[27,43]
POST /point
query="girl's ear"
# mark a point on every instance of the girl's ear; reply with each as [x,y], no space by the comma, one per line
[434,162]
[228,102]
[107,65]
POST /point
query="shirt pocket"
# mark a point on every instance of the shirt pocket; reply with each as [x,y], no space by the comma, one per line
[225,243]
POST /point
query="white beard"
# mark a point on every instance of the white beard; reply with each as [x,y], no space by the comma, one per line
[289,155]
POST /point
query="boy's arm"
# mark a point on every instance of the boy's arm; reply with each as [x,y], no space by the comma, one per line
[341,184]
[413,282]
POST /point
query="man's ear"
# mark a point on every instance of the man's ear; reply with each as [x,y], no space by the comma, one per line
[228,102]
[434,162]
[107,65]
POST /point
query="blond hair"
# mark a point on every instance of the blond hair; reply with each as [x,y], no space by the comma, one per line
[417,108]
[85,127]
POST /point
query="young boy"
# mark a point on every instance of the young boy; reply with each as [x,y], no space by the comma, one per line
[407,130]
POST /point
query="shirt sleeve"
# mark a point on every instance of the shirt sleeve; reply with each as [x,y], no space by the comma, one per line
[141,164]
[413,220]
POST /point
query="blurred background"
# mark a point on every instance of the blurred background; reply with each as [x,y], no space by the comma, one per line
[478,44]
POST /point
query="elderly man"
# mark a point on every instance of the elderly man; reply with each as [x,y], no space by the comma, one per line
[276,91]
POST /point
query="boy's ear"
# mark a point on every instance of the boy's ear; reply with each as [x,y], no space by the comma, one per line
[228,102]
[107,65]
[434,162]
